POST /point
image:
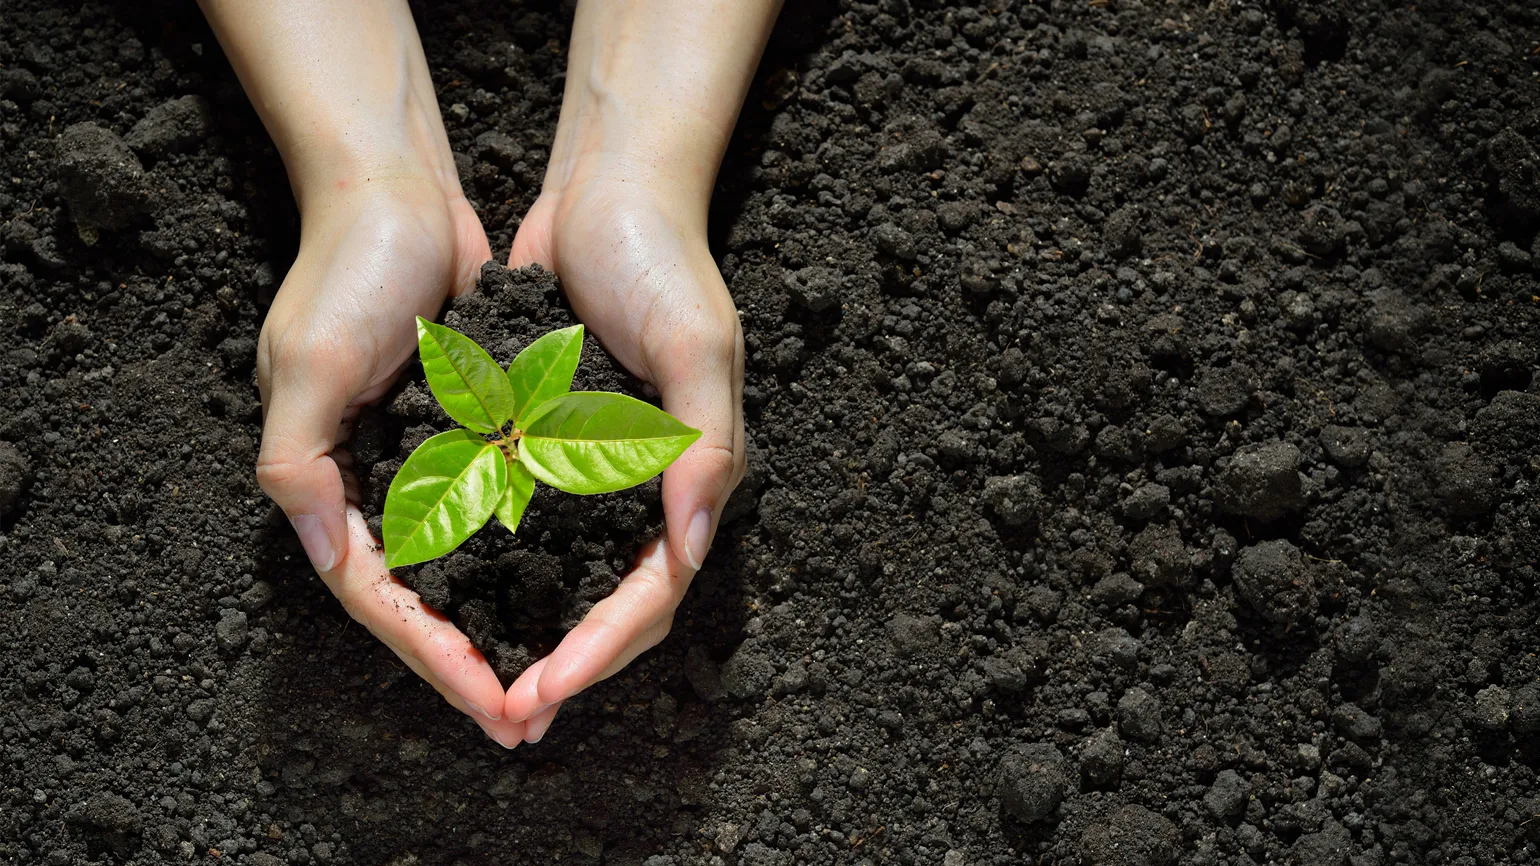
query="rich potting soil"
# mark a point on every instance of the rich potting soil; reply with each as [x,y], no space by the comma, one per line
[514,595]
[1144,441]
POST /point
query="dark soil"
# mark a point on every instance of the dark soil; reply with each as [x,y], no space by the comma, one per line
[1144,445]
[514,595]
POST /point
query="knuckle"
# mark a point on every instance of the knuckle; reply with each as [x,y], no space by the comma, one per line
[656,592]
[722,459]
[740,467]
[720,342]
[282,460]
[277,474]
[715,337]
[658,632]
[296,348]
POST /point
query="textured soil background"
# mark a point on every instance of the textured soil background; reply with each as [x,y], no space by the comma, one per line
[1143,458]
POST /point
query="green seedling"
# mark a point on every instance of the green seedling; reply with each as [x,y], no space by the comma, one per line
[520,425]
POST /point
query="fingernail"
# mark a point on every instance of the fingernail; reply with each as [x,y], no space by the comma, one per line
[317,545]
[532,713]
[495,735]
[498,738]
[535,731]
[480,709]
[697,539]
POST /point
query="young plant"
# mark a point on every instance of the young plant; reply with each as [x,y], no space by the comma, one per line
[520,425]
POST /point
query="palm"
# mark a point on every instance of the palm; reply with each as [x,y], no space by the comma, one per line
[639,275]
[647,289]
[349,302]
[339,332]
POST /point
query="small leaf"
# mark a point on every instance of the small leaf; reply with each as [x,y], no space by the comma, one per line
[516,496]
[443,493]
[593,442]
[544,370]
[467,382]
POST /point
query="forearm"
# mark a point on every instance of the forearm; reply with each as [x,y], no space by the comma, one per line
[660,83]
[342,87]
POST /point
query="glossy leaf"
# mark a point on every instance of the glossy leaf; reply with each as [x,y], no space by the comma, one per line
[443,493]
[516,496]
[593,442]
[544,370]
[470,386]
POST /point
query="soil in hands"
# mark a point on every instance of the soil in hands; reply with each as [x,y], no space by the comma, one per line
[514,595]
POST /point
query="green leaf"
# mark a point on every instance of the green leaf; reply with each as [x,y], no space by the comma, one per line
[544,370]
[444,492]
[516,496]
[467,382]
[593,442]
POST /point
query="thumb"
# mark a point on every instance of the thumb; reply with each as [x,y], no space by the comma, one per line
[296,469]
[701,382]
[532,243]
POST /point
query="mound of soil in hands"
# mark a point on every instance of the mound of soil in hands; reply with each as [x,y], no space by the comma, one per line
[514,595]
[1143,442]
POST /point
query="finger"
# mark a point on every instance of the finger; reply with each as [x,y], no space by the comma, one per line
[619,628]
[524,702]
[701,382]
[473,238]
[295,466]
[504,732]
[352,485]
[538,724]
[421,636]
[532,243]
[523,699]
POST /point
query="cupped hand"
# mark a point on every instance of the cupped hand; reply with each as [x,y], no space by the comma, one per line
[382,246]
[633,258]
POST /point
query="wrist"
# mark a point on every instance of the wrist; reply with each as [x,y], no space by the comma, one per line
[385,137]
[654,89]
[674,157]
[366,156]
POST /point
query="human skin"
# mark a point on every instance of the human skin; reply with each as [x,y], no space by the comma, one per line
[653,91]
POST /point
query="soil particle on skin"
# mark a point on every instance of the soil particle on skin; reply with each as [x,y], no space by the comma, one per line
[1152,387]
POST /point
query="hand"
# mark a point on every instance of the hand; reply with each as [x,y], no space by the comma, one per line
[386,235]
[653,91]
[633,259]
[339,332]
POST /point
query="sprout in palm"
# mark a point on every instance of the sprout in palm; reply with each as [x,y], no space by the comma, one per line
[520,425]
